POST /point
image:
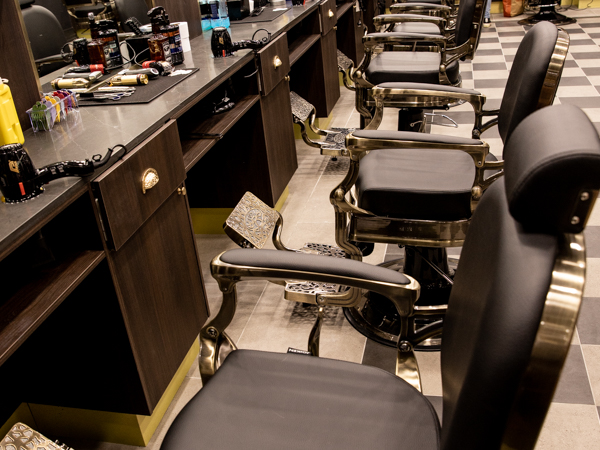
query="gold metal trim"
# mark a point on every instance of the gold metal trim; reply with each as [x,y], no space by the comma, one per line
[149,179]
[552,342]
[277,62]
[555,69]
[330,13]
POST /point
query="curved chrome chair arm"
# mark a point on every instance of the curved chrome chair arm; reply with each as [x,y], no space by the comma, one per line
[216,345]
[392,19]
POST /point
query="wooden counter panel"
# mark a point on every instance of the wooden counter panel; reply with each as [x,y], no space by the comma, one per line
[270,75]
[328,16]
[158,278]
[119,189]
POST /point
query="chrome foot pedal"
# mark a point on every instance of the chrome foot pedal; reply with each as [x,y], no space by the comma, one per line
[252,222]
[344,63]
[308,291]
[336,139]
[323,249]
[304,114]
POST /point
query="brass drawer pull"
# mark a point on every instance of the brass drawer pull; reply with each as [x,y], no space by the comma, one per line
[149,180]
[277,62]
[331,13]
[181,190]
[286,78]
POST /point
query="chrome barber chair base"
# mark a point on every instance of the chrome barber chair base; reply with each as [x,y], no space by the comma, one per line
[376,318]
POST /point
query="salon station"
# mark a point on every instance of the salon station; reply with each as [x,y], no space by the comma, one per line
[326,224]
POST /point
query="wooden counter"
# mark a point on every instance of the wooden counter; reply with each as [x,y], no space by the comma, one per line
[102,284]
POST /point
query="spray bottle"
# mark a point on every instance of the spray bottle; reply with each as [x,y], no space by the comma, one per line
[10,128]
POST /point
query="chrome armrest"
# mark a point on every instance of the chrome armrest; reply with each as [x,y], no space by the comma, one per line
[386,19]
[395,8]
[372,40]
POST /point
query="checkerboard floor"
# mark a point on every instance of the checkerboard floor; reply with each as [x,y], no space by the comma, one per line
[265,321]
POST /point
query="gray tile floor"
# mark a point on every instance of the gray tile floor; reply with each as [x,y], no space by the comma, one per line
[265,321]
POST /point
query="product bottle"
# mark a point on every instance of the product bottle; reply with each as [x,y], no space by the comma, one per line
[160,47]
[10,128]
[172,32]
[94,27]
[96,52]
[219,17]
[95,46]
[112,51]
[206,14]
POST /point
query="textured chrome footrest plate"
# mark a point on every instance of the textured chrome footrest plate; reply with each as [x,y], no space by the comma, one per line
[344,63]
[308,291]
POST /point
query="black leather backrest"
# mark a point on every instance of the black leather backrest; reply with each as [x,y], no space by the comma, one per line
[546,173]
[500,288]
[464,20]
[526,77]
[44,31]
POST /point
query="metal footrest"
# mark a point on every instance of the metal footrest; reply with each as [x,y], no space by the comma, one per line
[344,63]
[336,139]
[308,291]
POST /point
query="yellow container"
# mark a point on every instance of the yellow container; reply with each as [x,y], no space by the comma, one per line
[10,128]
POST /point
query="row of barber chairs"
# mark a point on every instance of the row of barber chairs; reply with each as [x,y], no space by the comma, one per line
[513,300]
[508,326]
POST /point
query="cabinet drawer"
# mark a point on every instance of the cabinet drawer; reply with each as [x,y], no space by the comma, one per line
[328,16]
[123,205]
[274,63]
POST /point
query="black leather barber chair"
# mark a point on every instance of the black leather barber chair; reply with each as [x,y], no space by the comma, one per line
[508,328]
[131,8]
[419,190]
[46,37]
[434,61]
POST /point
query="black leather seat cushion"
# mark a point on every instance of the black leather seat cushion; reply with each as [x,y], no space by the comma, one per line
[415,27]
[422,67]
[260,400]
[421,184]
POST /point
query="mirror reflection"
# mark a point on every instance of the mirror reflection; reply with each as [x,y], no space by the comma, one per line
[52,24]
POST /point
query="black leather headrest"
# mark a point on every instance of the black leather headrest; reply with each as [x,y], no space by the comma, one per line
[26,3]
[552,165]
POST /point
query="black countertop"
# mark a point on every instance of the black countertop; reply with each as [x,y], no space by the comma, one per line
[94,129]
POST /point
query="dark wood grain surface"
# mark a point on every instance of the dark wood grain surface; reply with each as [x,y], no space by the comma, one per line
[279,138]
[157,275]
[16,60]
[270,75]
[328,16]
[30,306]
[119,189]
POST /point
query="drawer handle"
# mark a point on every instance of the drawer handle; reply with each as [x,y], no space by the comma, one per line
[149,180]
[286,78]
[330,13]
[277,62]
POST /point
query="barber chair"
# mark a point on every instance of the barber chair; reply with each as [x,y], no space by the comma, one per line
[434,61]
[131,8]
[509,325]
[421,191]
[46,37]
